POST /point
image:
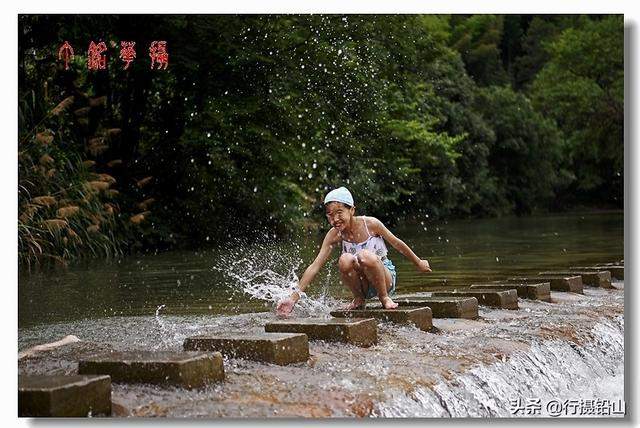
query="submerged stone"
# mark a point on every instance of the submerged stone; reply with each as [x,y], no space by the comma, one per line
[600,278]
[276,348]
[540,291]
[504,299]
[420,317]
[443,307]
[185,369]
[64,396]
[571,283]
[356,331]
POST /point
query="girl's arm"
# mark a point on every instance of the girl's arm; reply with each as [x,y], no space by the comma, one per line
[377,227]
[322,257]
[286,306]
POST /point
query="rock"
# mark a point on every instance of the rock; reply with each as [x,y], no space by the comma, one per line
[443,307]
[504,299]
[540,291]
[571,283]
[185,369]
[64,396]
[356,331]
[616,272]
[600,278]
[420,317]
[276,348]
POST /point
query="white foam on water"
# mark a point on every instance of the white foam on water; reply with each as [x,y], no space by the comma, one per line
[555,370]
[264,273]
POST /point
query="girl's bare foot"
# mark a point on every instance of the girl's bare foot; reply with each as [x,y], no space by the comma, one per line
[355,304]
[388,303]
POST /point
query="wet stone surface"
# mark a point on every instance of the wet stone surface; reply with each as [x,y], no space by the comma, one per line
[420,317]
[592,278]
[356,331]
[617,272]
[442,307]
[185,369]
[504,299]
[572,283]
[64,396]
[539,291]
[276,348]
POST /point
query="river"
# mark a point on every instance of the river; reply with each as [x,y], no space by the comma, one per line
[570,349]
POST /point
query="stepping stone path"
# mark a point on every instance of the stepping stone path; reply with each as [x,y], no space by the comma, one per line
[275,348]
[504,299]
[571,283]
[356,331]
[64,396]
[616,272]
[420,317]
[595,279]
[185,369]
[540,291]
[443,307]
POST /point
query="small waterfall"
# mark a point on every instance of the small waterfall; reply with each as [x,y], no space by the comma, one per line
[551,370]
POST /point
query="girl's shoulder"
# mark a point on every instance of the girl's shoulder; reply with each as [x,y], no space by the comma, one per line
[333,235]
[374,225]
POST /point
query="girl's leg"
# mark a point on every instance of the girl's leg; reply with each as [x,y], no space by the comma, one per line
[378,276]
[350,273]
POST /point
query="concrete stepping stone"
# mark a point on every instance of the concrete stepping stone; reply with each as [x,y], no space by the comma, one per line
[356,331]
[63,396]
[184,369]
[616,272]
[540,291]
[443,307]
[571,283]
[600,278]
[504,299]
[275,348]
[420,317]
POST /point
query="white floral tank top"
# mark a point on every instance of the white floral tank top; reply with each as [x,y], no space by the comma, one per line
[375,244]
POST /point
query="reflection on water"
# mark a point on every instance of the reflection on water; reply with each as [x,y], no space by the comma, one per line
[215,282]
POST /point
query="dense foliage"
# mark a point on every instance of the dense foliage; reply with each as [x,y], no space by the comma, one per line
[256,117]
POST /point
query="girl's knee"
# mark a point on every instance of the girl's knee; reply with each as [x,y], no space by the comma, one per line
[367,258]
[347,262]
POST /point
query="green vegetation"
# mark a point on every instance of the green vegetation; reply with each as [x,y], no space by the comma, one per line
[257,117]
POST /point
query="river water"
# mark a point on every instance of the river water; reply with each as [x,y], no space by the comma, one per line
[568,350]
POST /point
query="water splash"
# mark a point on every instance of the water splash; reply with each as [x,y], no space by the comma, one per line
[265,272]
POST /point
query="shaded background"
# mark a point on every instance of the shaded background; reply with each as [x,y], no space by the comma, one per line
[423,117]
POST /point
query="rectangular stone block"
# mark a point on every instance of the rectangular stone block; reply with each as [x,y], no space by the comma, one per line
[540,291]
[184,369]
[600,278]
[420,317]
[275,348]
[617,271]
[356,331]
[572,283]
[504,299]
[443,307]
[63,396]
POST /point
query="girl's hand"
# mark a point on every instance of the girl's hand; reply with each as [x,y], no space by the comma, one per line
[423,266]
[285,307]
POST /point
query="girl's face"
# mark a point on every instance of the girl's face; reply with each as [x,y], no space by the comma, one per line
[339,215]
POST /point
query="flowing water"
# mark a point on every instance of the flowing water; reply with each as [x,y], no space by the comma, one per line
[569,351]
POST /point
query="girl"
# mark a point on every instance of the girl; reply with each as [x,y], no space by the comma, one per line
[364,266]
